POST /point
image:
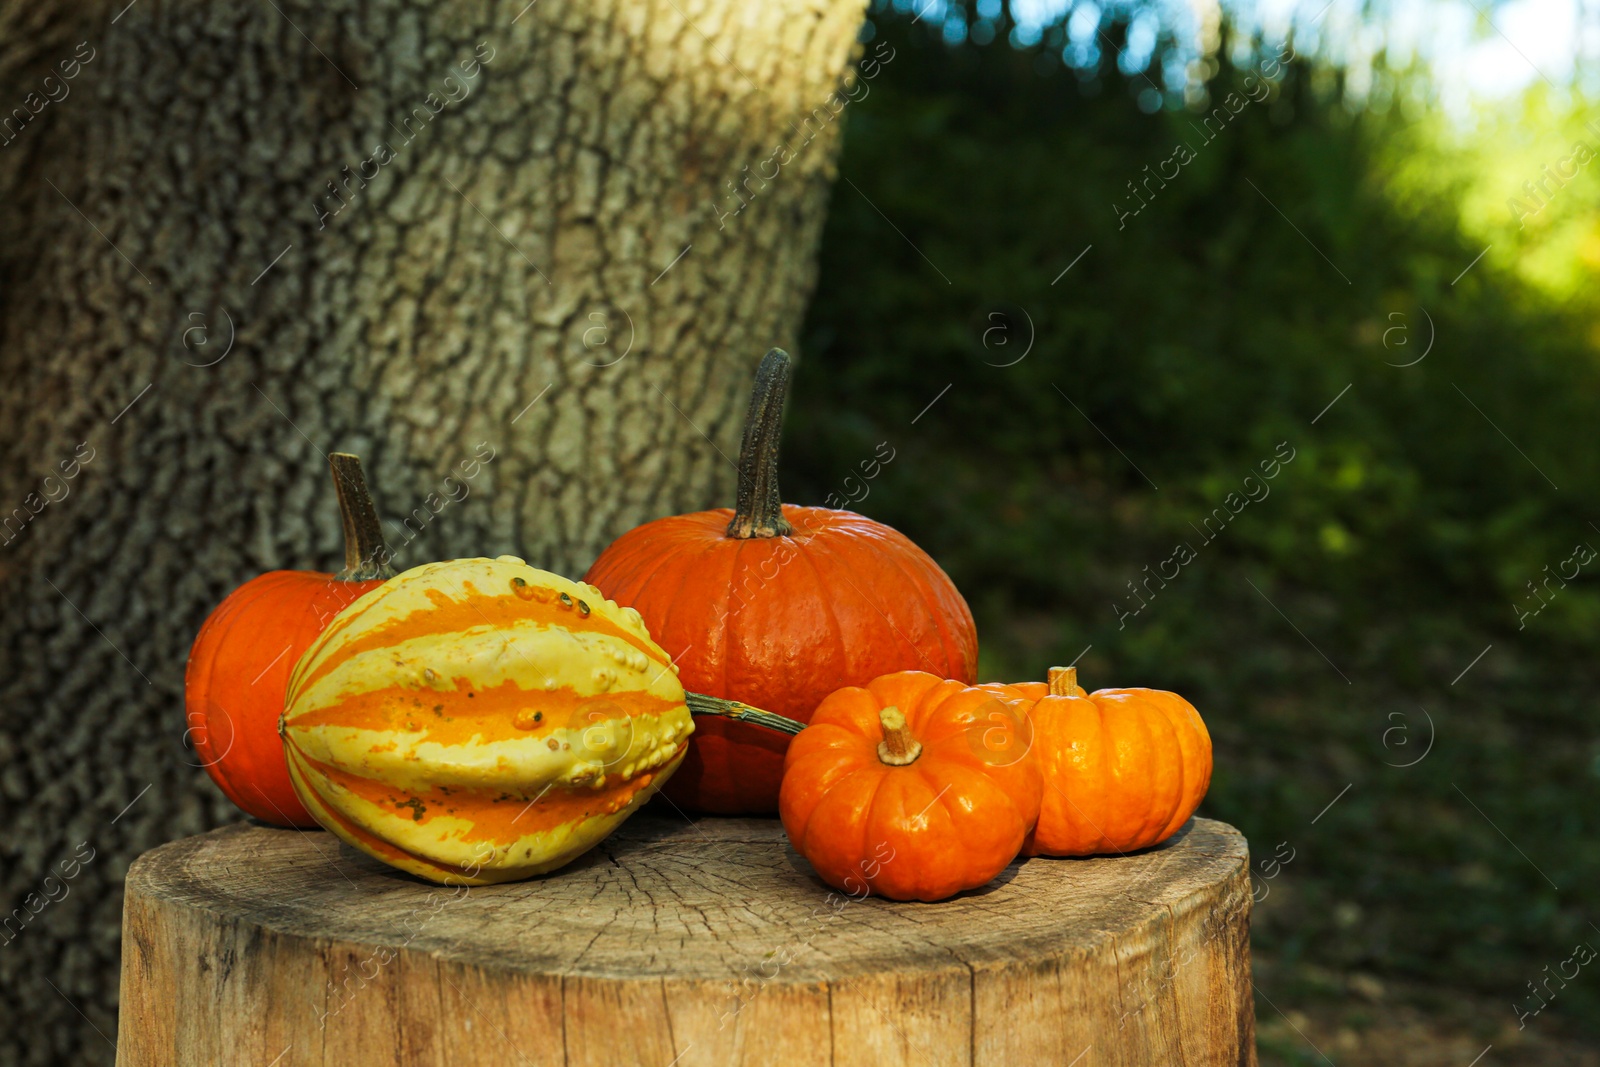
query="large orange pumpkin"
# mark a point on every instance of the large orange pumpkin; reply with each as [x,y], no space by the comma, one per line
[1123,768]
[778,606]
[239,666]
[914,787]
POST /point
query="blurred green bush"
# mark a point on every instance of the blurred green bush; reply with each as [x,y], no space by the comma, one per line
[1305,254]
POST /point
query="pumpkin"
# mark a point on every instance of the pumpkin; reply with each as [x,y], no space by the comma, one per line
[914,787]
[479,720]
[239,665]
[1123,768]
[778,606]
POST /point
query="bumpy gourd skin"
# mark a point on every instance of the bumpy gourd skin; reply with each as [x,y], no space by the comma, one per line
[479,721]
[949,820]
[1123,768]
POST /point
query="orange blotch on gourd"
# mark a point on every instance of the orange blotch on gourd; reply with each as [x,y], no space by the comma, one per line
[479,716]
[494,814]
[448,616]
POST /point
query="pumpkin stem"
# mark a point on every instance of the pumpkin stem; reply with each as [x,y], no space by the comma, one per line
[701,704]
[366,556]
[759,509]
[898,748]
[1064,682]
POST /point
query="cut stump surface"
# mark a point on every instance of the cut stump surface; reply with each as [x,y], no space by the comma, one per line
[685,944]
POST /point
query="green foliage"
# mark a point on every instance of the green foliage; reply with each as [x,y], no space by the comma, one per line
[1284,262]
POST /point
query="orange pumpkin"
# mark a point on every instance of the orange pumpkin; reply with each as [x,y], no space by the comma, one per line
[1123,768]
[914,788]
[241,660]
[778,606]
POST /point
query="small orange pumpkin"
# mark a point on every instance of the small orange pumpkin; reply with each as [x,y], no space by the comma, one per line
[778,606]
[915,787]
[1123,768]
[239,666]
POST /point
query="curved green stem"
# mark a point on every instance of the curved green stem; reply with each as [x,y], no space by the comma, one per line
[700,704]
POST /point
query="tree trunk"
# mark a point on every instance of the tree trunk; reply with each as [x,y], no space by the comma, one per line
[496,253]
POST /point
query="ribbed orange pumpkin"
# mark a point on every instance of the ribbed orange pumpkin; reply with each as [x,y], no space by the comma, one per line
[915,787]
[778,606]
[1123,768]
[239,665]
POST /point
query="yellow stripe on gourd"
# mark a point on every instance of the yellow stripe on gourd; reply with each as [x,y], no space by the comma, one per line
[613,747]
[534,654]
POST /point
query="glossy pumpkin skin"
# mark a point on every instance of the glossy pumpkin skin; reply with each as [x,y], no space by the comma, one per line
[1123,768]
[780,622]
[238,673]
[479,721]
[950,820]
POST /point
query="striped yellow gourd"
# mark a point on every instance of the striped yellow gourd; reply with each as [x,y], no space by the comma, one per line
[480,720]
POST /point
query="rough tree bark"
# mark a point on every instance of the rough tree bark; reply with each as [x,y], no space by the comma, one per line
[543,264]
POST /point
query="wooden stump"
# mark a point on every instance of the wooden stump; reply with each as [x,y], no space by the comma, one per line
[685,944]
